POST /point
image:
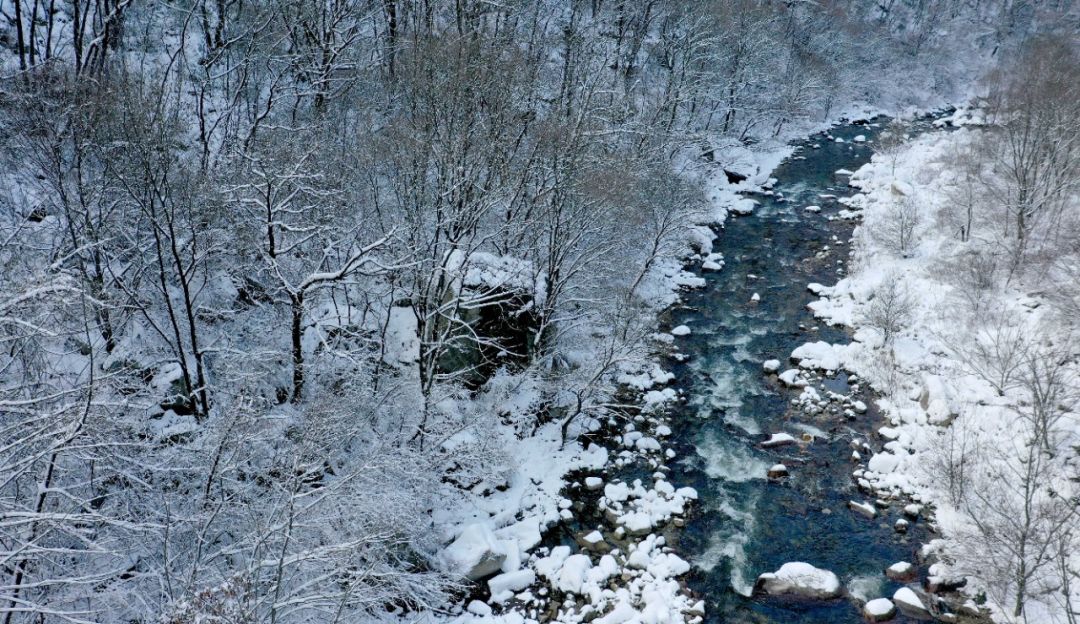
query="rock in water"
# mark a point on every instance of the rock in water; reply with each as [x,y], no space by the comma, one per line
[800,580]
[910,603]
[879,610]
[901,572]
[865,509]
[779,439]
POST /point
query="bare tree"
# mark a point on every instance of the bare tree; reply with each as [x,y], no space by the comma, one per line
[890,309]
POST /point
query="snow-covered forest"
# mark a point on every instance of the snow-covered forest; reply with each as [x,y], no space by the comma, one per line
[319,310]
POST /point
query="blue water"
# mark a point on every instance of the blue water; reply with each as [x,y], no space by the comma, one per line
[744,524]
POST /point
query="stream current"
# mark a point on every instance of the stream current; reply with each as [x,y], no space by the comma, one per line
[745,523]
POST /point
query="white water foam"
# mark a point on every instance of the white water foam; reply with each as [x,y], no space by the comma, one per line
[731,547]
[730,460]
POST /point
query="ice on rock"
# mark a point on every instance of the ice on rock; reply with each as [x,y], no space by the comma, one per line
[801,580]
[812,209]
[681,330]
[755,298]
[860,138]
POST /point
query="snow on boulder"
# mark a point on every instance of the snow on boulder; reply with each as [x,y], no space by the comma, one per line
[883,463]
[903,189]
[812,209]
[593,483]
[681,330]
[791,379]
[475,554]
[713,262]
[801,580]
[771,366]
[778,439]
[879,610]
[818,354]
[778,471]
[865,509]
[505,585]
[901,572]
[525,533]
[616,492]
[573,573]
[860,138]
[910,603]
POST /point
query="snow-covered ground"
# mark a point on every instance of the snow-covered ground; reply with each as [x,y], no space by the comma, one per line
[958,353]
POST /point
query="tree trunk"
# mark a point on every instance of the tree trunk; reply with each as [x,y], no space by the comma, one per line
[297,301]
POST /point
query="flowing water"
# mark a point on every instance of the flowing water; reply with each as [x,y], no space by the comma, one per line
[746,524]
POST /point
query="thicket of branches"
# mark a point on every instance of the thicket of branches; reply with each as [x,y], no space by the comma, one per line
[261,261]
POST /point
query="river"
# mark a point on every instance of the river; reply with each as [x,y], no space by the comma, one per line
[746,524]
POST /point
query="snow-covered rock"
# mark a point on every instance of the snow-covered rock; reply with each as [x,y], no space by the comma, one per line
[910,603]
[792,379]
[901,572]
[820,355]
[505,585]
[864,509]
[779,439]
[879,610]
[801,580]
[771,366]
[475,554]
[681,330]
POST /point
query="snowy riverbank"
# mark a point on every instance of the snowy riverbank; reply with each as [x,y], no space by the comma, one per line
[960,350]
[622,569]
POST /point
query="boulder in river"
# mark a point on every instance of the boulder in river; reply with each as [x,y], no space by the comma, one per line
[879,610]
[800,580]
[910,603]
[778,471]
[901,572]
[778,439]
[865,509]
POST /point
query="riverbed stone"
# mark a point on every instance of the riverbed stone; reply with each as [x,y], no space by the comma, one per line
[901,572]
[910,603]
[879,610]
[800,580]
